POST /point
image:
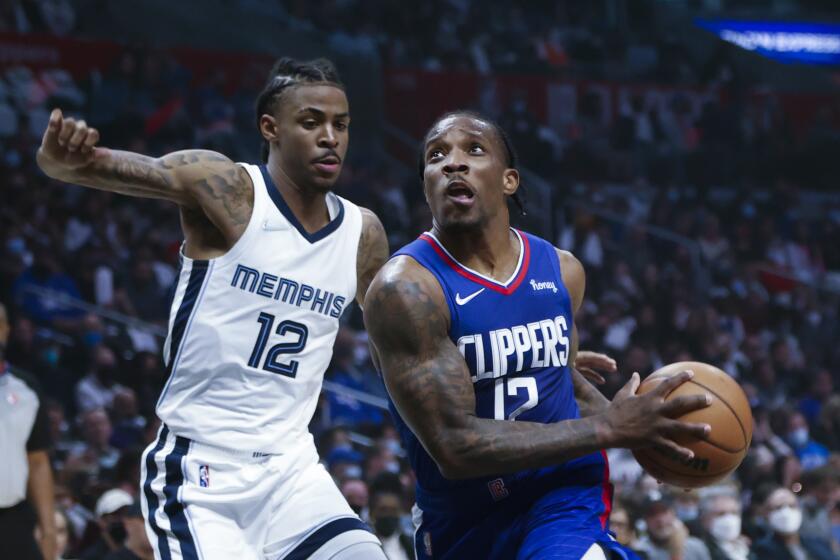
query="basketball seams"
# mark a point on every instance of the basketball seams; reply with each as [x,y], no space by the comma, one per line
[734,414]
[663,377]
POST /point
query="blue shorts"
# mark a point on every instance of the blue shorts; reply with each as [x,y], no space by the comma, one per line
[563,523]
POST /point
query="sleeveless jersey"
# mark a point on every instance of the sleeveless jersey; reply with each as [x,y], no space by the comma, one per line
[515,338]
[251,332]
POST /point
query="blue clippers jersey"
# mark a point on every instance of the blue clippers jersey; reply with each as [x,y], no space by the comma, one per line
[516,339]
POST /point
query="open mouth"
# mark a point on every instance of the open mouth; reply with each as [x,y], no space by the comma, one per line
[460,193]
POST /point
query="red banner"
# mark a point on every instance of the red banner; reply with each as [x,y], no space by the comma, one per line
[415,98]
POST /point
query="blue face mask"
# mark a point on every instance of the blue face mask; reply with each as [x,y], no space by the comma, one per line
[353,471]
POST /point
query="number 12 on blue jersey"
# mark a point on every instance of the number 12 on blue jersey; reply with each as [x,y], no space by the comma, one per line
[272,364]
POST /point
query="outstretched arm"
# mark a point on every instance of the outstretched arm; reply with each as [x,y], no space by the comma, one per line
[429,382]
[196,179]
[372,254]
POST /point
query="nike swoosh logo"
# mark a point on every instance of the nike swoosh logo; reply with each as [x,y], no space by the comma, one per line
[461,301]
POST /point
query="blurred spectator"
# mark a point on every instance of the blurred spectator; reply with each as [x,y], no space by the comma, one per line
[624,528]
[345,463]
[810,453]
[135,545]
[64,538]
[821,495]
[784,519]
[386,512]
[98,388]
[45,273]
[94,455]
[667,537]
[687,507]
[344,408]
[129,425]
[721,516]
[356,493]
[828,424]
[111,508]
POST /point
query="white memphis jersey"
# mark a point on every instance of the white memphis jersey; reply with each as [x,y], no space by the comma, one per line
[251,332]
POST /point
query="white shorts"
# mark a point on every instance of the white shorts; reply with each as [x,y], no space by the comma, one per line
[206,503]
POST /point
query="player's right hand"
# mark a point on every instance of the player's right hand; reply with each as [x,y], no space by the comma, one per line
[67,143]
[647,420]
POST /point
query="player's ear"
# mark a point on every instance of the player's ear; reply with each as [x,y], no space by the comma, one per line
[268,127]
[510,181]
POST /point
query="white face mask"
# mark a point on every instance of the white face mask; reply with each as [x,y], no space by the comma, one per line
[785,520]
[726,527]
[799,437]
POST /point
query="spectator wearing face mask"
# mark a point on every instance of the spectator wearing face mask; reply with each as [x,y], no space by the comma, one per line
[687,508]
[136,545]
[667,536]
[345,464]
[386,512]
[110,509]
[721,518]
[810,453]
[784,518]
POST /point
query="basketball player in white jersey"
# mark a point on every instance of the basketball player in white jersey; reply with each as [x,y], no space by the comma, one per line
[271,259]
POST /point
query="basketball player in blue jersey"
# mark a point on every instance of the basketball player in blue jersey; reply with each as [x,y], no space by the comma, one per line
[472,326]
[270,261]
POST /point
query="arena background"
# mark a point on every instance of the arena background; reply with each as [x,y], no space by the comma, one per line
[688,152]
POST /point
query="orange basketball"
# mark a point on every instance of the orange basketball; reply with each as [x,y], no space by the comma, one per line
[729,416]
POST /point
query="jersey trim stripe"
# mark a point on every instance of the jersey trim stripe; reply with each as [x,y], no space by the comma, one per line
[280,203]
[324,534]
[506,288]
[152,501]
[183,318]
[173,507]
[606,492]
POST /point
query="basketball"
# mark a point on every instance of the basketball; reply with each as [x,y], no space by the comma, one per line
[729,416]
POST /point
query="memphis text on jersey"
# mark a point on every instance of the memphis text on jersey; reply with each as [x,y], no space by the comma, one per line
[288,291]
[534,345]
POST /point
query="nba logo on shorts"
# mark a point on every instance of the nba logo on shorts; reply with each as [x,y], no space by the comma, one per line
[204,476]
[497,489]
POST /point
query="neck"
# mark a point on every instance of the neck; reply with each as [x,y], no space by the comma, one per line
[793,538]
[492,250]
[309,205]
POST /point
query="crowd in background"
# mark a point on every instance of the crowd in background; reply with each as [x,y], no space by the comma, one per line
[754,290]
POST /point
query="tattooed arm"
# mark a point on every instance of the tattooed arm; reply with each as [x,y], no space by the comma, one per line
[590,400]
[197,180]
[426,376]
[372,254]
[408,322]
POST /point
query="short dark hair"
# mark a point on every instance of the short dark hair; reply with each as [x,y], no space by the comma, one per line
[288,72]
[510,152]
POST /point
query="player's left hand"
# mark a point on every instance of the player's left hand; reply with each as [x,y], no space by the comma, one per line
[587,363]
